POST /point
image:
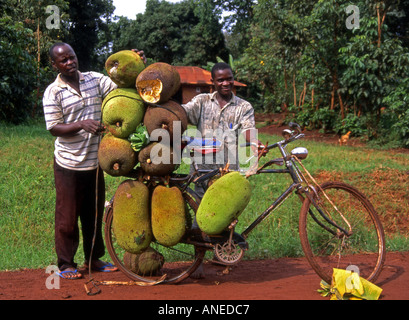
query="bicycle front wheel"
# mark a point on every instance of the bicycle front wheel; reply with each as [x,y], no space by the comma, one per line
[180,261]
[349,236]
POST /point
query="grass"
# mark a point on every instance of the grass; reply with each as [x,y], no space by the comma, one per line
[27,196]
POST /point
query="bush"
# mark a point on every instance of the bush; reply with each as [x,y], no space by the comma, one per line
[351,122]
[323,118]
[397,112]
[17,71]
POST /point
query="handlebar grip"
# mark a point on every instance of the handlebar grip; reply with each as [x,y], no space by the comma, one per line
[248,144]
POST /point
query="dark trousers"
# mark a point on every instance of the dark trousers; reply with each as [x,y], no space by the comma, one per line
[76,199]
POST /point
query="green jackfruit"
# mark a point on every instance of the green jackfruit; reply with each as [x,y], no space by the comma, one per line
[116,156]
[168,215]
[223,202]
[122,111]
[146,263]
[123,67]
[131,216]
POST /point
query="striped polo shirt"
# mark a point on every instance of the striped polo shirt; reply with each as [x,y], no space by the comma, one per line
[63,104]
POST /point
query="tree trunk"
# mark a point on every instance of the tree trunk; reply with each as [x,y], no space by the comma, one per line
[333,98]
[304,93]
[312,90]
[381,20]
[341,104]
[286,89]
[38,70]
[295,91]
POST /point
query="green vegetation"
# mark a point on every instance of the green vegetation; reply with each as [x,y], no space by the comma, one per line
[329,65]
[27,196]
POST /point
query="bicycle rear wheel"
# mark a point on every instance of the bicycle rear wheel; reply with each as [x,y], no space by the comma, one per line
[180,261]
[327,247]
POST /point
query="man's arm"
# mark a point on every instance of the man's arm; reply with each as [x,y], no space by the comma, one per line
[250,132]
[66,130]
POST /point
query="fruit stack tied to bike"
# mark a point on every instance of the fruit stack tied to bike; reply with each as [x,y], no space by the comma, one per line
[131,113]
[138,108]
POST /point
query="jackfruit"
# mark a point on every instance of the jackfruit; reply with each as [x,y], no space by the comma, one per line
[122,111]
[223,202]
[158,82]
[157,159]
[131,216]
[147,263]
[164,117]
[123,67]
[116,156]
[168,215]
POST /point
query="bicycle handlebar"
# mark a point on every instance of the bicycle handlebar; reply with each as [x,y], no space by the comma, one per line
[291,136]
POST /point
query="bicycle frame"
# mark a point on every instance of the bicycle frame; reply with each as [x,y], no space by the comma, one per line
[297,185]
[291,169]
[295,173]
[229,246]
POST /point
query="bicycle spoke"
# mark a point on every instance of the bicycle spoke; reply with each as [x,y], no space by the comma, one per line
[178,262]
[327,246]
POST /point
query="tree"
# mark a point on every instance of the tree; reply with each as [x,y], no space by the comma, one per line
[87,20]
[271,59]
[237,23]
[36,39]
[177,33]
[206,41]
[16,71]
[305,57]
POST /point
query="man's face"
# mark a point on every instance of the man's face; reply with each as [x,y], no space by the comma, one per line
[223,82]
[65,60]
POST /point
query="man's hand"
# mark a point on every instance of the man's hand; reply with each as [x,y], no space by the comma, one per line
[67,130]
[92,126]
[258,149]
[141,53]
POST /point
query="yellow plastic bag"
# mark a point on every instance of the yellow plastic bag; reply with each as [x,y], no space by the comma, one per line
[348,285]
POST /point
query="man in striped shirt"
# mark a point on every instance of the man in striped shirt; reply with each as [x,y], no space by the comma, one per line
[72,111]
[222,115]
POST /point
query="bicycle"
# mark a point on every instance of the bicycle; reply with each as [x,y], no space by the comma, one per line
[337,223]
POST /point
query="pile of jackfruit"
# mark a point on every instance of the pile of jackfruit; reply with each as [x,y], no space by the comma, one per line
[141,104]
[143,100]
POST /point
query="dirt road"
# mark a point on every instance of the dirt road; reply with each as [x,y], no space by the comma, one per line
[280,279]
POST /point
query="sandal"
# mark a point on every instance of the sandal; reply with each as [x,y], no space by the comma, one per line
[104,266]
[69,274]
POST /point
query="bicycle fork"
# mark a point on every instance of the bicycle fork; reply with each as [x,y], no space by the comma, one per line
[314,197]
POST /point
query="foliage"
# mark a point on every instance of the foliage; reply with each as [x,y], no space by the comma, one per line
[297,57]
[304,57]
[16,71]
[398,112]
[88,21]
[31,41]
[179,33]
[237,22]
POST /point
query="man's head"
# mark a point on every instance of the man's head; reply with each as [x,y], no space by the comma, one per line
[64,59]
[223,79]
